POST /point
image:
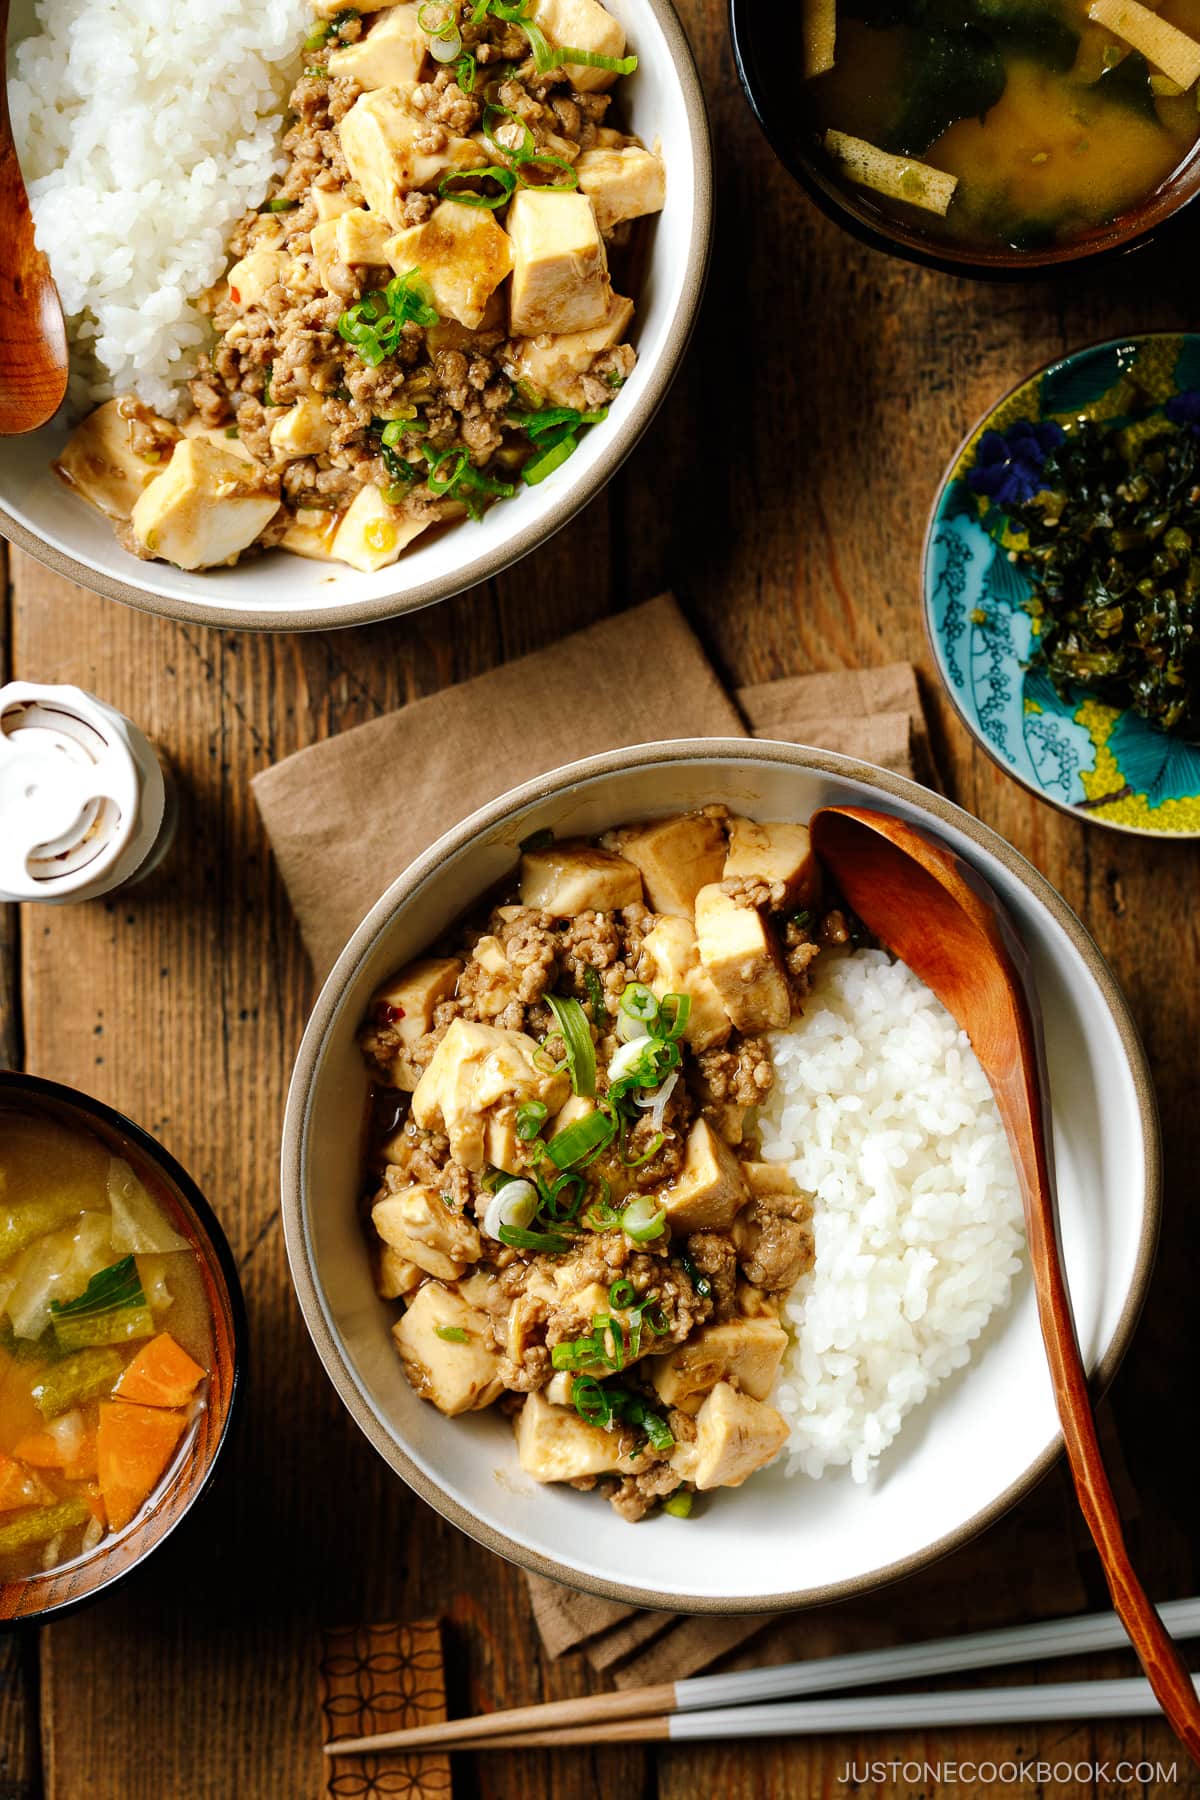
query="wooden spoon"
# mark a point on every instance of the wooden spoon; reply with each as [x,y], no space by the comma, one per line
[33,335]
[941,918]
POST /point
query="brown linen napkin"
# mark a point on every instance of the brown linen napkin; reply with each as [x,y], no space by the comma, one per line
[471,743]
[456,750]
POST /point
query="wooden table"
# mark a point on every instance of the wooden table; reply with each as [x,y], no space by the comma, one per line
[782,494]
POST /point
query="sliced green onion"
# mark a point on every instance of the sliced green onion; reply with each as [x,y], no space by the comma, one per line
[409,299]
[673,1014]
[504,178]
[679,1504]
[279,206]
[546,161]
[530,1118]
[395,429]
[316,38]
[231,431]
[642,1220]
[622,1295]
[591,59]
[658,1431]
[581,1052]
[466,72]
[494,118]
[540,466]
[701,1283]
[559,1210]
[595,994]
[448,23]
[580,1139]
[590,1401]
[552,1242]
[453,1334]
[638,1002]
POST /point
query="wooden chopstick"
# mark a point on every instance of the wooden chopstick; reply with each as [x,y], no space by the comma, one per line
[1066,1701]
[622,1715]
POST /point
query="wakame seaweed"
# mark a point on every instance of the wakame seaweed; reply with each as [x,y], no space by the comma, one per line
[1114,552]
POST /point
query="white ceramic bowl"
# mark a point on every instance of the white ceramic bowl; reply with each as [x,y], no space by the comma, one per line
[983,1438]
[663,104]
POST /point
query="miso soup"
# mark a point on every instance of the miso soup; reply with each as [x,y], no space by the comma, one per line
[1043,123]
[105,1343]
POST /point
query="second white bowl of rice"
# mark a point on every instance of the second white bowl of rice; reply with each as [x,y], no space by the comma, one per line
[915,1382]
[137,179]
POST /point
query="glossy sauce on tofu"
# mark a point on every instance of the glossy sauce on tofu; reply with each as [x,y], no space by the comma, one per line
[563,1192]
[426,314]
[105,1343]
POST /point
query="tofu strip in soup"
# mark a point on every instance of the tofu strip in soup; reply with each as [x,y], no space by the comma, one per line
[565,1194]
[424,316]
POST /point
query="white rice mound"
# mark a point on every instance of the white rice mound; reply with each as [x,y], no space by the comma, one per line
[146,128]
[880,1108]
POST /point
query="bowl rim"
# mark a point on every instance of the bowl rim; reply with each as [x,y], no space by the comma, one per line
[653,756]
[19,1080]
[618,444]
[1154,213]
[1083,815]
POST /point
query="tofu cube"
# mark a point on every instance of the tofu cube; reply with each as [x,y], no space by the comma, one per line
[379,137]
[708,1191]
[373,533]
[303,430]
[622,184]
[205,508]
[390,54]
[323,238]
[554,366]
[741,957]
[361,237]
[747,1351]
[779,854]
[555,1444]
[677,857]
[396,1276]
[735,1435]
[768,1178]
[414,995]
[457,1376]
[416,1221]
[671,945]
[311,534]
[474,1068]
[250,279]
[577,1107]
[101,464]
[331,203]
[569,878]
[463,256]
[582,25]
[560,271]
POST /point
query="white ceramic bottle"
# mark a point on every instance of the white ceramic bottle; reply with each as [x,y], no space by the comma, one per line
[85,804]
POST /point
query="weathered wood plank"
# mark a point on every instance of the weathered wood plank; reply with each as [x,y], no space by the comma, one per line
[782,493]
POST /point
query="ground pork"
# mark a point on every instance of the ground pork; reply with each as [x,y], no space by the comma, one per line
[773,1235]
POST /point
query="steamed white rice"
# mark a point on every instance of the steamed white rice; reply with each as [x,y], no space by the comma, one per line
[145,129]
[881,1109]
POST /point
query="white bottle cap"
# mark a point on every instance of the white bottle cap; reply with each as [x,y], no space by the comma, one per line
[84,804]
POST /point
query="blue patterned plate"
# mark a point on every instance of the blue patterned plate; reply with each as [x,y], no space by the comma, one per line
[1074,750]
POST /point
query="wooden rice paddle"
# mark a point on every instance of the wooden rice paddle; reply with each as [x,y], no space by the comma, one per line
[938,916]
[33,336]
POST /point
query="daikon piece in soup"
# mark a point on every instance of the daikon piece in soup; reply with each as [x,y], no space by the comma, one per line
[1015,124]
[105,1343]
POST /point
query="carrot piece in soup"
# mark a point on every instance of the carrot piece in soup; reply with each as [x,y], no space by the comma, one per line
[82,1466]
[134,1444]
[40,1450]
[20,1487]
[92,1499]
[161,1374]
